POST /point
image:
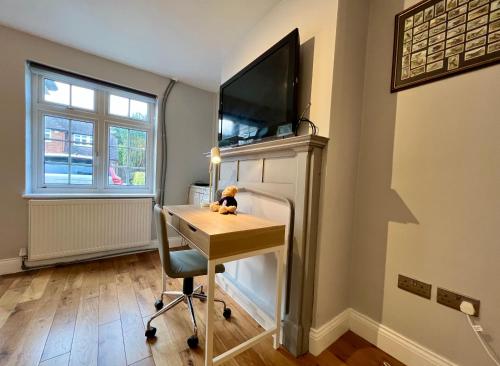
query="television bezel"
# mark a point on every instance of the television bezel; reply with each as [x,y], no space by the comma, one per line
[293,39]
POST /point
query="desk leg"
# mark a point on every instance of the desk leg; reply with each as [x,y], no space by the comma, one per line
[279,292]
[209,316]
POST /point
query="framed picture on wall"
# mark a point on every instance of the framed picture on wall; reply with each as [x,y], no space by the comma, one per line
[435,39]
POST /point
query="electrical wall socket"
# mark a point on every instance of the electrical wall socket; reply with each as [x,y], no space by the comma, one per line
[453,300]
[414,286]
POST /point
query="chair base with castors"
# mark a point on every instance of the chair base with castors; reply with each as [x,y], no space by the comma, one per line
[187,295]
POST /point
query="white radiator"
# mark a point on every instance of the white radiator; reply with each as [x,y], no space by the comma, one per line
[68,227]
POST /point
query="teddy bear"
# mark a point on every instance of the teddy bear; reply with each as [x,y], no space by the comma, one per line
[227,204]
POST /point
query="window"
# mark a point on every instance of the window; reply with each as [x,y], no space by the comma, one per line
[89,138]
[65,160]
[68,95]
[128,108]
[127,156]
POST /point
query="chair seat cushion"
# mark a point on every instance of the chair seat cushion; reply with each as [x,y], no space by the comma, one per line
[189,263]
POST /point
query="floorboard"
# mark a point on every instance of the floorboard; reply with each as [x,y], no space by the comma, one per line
[95,313]
[111,349]
[84,349]
[61,332]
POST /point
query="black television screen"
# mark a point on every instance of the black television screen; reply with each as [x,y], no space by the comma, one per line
[261,100]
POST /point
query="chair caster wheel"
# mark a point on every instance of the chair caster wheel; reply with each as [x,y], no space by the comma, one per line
[226,313]
[150,333]
[192,341]
[202,300]
[158,305]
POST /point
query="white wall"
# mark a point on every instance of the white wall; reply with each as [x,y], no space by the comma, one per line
[316,21]
[340,160]
[190,116]
[190,109]
[428,199]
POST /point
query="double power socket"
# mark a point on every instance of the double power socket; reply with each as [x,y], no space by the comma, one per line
[444,297]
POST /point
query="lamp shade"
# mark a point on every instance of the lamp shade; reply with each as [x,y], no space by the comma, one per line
[215,155]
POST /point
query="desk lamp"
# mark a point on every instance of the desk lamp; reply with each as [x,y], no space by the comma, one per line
[213,171]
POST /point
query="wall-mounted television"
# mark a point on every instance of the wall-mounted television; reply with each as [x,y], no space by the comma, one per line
[260,101]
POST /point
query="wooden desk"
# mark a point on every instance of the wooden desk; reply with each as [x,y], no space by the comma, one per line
[225,238]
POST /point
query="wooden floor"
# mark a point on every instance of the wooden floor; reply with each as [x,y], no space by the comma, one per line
[95,313]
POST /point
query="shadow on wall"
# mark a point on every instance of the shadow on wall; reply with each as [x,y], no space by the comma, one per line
[397,209]
[377,203]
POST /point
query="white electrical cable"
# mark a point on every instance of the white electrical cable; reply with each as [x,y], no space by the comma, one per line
[477,329]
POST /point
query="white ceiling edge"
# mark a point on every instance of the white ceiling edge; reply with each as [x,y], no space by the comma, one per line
[186,41]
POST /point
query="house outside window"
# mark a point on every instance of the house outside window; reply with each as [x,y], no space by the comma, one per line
[89,138]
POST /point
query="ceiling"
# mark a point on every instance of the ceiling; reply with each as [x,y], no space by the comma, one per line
[183,39]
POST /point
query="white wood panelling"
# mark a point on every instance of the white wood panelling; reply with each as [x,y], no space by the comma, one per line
[273,171]
[67,227]
[228,171]
[250,171]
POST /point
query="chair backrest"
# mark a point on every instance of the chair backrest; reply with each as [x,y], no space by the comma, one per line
[161,232]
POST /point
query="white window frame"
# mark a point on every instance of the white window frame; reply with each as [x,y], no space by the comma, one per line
[102,120]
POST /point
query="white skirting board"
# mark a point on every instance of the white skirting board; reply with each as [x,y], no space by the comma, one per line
[404,349]
[321,338]
[10,265]
[13,265]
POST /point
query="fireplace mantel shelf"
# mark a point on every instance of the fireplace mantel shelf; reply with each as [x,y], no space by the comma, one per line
[298,143]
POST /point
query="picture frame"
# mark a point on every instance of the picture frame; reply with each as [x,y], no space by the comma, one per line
[436,39]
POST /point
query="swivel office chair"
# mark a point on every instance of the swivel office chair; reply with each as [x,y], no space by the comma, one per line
[185,264]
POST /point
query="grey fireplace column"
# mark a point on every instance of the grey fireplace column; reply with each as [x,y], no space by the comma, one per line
[289,168]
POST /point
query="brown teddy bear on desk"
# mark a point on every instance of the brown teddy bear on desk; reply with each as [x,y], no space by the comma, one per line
[227,204]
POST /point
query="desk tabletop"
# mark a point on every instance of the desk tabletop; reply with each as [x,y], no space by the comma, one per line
[213,223]
[219,235]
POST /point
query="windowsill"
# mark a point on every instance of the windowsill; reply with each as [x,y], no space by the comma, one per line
[87,195]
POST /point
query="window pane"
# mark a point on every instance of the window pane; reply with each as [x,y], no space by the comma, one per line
[56,173]
[117,175]
[118,105]
[138,110]
[82,97]
[137,158]
[113,155]
[118,136]
[81,174]
[82,130]
[79,139]
[127,157]
[137,177]
[81,154]
[137,138]
[64,150]
[122,157]
[56,128]
[56,161]
[56,148]
[118,159]
[56,92]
